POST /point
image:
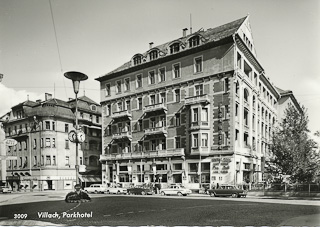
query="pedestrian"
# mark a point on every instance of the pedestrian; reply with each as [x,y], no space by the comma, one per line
[217,185]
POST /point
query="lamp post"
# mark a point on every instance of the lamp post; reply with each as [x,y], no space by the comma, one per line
[76,77]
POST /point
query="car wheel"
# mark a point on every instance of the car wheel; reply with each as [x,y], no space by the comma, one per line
[234,195]
[118,192]
[212,194]
[108,192]
[180,194]
[162,193]
[95,192]
[143,193]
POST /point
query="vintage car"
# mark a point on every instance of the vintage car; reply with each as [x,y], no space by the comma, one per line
[228,190]
[95,188]
[175,190]
[5,189]
[139,190]
[116,189]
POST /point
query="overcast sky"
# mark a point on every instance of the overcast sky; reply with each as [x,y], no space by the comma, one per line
[97,36]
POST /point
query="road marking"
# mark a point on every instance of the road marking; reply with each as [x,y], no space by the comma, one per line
[107,215]
[141,211]
[119,214]
[131,212]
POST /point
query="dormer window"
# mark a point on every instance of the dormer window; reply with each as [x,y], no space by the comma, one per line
[153,55]
[93,107]
[194,41]
[174,48]
[137,60]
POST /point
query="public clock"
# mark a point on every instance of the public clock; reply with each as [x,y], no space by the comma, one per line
[72,136]
[81,136]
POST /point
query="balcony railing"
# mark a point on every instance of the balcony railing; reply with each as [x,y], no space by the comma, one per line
[122,135]
[144,154]
[153,131]
[199,125]
[155,107]
[197,99]
[121,114]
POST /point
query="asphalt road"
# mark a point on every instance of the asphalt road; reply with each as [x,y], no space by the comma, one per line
[116,210]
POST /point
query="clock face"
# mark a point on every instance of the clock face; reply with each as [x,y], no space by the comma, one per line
[72,136]
[81,136]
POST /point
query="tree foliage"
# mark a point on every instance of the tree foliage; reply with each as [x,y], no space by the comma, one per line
[292,149]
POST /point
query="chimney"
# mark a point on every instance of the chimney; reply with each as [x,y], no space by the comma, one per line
[38,100]
[48,96]
[150,45]
[184,32]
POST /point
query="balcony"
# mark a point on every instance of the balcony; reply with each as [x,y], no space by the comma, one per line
[122,136]
[204,151]
[197,99]
[121,114]
[178,152]
[159,107]
[156,131]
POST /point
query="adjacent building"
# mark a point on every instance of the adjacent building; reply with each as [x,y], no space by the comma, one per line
[198,110]
[45,157]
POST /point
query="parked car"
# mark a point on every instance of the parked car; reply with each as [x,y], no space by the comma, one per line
[95,188]
[116,189]
[228,190]
[5,189]
[139,190]
[175,190]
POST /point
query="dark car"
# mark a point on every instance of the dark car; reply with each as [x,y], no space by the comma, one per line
[228,190]
[138,190]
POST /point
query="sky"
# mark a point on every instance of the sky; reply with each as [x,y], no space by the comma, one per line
[38,43]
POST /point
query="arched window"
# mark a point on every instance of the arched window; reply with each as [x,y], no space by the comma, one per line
[246,95]
[137,60]
[174,48]
[194,41]
[153,55]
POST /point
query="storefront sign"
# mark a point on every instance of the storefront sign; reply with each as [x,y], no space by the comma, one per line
[224,171]
[10,142]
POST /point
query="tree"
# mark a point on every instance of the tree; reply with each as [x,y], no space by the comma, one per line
[292,149]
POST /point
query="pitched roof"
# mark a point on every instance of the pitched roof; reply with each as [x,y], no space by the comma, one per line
[210,35]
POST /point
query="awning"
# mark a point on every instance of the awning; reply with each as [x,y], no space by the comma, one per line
[90,178]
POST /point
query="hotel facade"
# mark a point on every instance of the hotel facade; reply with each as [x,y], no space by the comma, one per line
[198,110]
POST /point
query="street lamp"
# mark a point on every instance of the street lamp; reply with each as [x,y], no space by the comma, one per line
[76,77]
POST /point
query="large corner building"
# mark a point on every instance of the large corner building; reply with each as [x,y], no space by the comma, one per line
[197,110]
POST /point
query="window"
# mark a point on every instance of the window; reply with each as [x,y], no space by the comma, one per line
[152,77]
[239,61]
[163,97]
[66,128]
[245,117]
[204,115]
[25,145]
[245,138]
[48,160]
[127,84]
[177,95]
[54,160]
[67,144]
[108,91]
[204,140]
[162,121]
[195,115]
[178,119]
[194,41]
[97,119]
[48,144]
[226,85]
[128,105]
[153,55]
[195,140]
[237,88]
[246,95]
[176,70]
[162,74]
[137,60]
[139,81]
[199,89]
[118,86]
[198,64]
[153,122]
[152,99]
[119,106]
[140,103]
[34,143]
[20,162]
[53,142]
[108,108]
[139,125]
[34,160]
[41,142]
[47,125]
[53,126]
[81,161]
[174,48]
[178,142]
[67,161]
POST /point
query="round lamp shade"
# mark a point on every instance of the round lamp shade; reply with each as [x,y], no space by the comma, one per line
[76,77]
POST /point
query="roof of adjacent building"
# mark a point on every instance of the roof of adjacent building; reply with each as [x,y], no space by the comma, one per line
[286,94]
[210,35]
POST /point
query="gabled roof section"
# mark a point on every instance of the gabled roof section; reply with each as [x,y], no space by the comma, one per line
[25,103]
[285,94]
[211,35]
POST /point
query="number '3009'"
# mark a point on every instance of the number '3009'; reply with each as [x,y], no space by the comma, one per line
[20,216]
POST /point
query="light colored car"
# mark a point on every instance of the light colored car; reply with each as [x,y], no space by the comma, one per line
[5,189]
[116,190]
[175,190]
[95,188]
[228,190]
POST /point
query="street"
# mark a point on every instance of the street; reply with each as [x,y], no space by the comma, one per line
[115,210]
